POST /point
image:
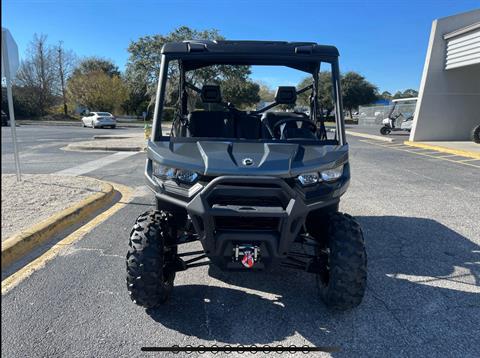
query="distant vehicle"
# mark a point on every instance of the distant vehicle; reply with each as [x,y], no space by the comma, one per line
[99,120]
[5,121]
[394,120]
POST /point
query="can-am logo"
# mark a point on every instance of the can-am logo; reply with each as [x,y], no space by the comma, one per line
[247,162]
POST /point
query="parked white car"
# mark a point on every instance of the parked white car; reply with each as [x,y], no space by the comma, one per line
[99,120]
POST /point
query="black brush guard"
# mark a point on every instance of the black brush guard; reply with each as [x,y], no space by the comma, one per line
[264,212]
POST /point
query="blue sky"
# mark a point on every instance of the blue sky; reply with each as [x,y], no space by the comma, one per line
[385,41]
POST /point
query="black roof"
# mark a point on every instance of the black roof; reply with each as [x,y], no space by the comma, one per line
[304,56]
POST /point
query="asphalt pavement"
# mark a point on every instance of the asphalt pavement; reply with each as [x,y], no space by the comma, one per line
[398,135]
[420,218]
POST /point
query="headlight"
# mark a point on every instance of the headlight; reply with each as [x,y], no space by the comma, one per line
[186,176]
[308,178]
[167,173]
[162,171]
[330,175]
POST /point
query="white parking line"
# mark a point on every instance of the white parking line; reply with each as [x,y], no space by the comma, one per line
[468,160]
[95,164]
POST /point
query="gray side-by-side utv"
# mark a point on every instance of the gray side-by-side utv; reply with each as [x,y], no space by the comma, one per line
[259,189]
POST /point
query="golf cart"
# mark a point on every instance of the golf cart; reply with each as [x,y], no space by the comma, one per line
[258,189]
[398,119]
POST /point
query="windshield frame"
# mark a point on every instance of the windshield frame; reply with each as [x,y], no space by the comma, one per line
[157,134]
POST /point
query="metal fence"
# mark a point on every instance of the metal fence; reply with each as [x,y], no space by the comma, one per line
[373,115]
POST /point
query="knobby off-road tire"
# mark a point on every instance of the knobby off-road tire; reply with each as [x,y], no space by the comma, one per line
[149,281]
[476,134]
[343,285]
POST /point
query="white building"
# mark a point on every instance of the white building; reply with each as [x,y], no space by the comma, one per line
[449,98]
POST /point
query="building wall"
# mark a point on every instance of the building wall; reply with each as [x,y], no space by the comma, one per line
[449,100]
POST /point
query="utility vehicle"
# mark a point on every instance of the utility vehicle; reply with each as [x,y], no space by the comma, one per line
[398,119]
[259,188]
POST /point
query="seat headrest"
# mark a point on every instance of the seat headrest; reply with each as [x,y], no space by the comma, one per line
[286,95]
[211,94]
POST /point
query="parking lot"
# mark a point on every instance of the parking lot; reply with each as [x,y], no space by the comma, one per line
[420,215]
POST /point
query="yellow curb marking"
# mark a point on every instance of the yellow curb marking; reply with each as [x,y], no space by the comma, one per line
[459,152]
[26,240]
[40,262]
[424,154]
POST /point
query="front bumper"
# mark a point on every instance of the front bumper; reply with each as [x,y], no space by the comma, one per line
[260,211]
[105,123]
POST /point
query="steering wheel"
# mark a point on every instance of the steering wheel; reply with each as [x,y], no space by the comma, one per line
[277,131]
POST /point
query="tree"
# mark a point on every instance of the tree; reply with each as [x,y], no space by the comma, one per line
[25,100]
[386,95]
[95,84]
[96,64]
[406,94]
[37,76]
[65,64]
[266,93]
[356,90]
[144,65]
[137,100]
[241,92]
[325,89]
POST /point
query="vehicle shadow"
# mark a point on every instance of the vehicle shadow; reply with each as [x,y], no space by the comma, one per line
[422,295]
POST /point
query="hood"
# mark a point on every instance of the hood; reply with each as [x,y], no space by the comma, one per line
[214,158]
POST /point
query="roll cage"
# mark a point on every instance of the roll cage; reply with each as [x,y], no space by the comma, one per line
[303,56]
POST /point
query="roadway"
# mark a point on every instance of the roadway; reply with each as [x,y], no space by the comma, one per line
[419,212]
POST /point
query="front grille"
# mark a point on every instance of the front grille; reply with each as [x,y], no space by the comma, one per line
[245,201]
[246,223]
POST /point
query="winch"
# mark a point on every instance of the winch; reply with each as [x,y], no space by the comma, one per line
[248,255]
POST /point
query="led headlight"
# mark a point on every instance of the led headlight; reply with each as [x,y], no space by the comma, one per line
[186,176]
[162,172]
[167,173]
[308,178]
[333,174]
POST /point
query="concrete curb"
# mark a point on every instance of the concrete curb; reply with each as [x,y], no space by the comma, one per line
[370,136]
[37,264]
[22,243]
[112,136]
[104,148]
[45,123]
[74,124]
[459,152]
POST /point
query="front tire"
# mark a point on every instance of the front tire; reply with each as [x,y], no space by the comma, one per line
[385,131]
[342,285]
[149,278]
